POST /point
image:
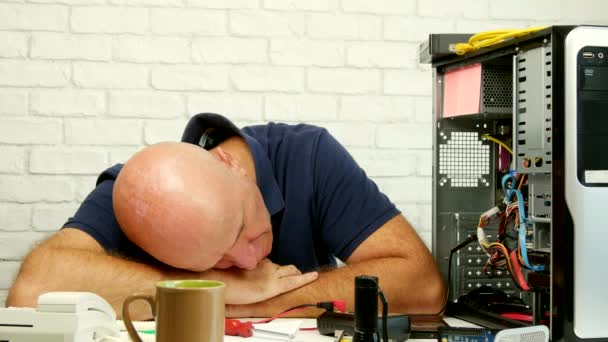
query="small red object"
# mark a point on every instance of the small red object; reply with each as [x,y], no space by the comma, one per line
[339,305]
[234,327]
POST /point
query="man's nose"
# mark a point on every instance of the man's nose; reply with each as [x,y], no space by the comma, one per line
[244,257]
[247,263]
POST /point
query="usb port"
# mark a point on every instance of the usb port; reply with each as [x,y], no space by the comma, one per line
[588,54]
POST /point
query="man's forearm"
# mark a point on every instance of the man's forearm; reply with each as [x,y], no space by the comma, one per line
[407,290]
[71,269]
[62,269]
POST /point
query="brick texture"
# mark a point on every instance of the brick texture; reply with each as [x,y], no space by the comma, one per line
[236,105]
[55,102]
[66,161]
[151,50]
[12,159]
[15,44]
[78,47]
[109,19]
[21,73]
[13,102]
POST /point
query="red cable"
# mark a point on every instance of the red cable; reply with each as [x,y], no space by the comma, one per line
[517,316]
[518,276]
[279,315]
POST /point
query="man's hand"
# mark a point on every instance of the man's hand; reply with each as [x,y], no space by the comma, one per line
[267,280]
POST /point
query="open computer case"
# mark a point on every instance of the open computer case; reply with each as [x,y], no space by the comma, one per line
[544,96]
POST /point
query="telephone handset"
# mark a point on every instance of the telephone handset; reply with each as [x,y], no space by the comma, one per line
[78,302]
[60,316]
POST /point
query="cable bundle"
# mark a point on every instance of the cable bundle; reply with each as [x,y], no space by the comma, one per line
[488,38]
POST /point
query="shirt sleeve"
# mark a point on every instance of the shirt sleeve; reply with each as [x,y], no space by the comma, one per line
[350,205]
[95,216]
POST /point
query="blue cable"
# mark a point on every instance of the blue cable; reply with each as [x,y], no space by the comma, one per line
[522,219]
[505,178]
[522,234]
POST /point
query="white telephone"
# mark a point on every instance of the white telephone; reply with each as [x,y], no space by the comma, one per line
[60,317]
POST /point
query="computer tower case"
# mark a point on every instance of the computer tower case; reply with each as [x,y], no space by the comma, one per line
[526,120]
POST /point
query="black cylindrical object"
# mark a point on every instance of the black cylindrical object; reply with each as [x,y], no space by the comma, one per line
[366,308]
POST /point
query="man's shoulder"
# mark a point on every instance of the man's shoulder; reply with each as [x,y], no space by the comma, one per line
[287,137]
[109,174]
[283,130]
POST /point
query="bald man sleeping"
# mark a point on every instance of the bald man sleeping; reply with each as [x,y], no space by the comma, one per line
[222,220]
[262,208]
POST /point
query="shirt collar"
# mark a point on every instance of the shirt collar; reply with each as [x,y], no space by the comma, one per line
[273,198]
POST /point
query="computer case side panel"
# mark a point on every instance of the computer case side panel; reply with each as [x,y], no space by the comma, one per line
[586,182]
[561,225]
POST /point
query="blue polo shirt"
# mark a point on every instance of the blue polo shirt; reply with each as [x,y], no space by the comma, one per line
[321,203]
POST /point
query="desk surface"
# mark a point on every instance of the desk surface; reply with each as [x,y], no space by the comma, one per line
[301,336]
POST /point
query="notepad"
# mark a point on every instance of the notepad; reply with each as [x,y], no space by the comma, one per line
[279,330]
[272,331]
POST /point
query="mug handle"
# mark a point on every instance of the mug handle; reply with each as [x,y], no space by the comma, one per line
[126,316]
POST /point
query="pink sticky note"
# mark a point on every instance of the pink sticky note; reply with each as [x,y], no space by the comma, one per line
[462,91]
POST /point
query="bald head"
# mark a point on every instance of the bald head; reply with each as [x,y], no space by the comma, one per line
[174,201]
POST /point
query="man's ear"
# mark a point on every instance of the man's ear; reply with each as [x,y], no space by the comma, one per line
[227,159]
[221,155]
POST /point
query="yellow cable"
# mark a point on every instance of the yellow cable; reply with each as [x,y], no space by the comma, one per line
[488,38]
[504,252]
[491,138]
[521,183]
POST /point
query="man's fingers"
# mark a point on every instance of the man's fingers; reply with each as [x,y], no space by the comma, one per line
[295,281]
[286,271]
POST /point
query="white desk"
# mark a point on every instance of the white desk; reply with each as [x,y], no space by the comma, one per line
[301,336]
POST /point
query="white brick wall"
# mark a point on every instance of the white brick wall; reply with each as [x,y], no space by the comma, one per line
[33,17]
[110,76]
[389,7]
[13,102]
[106,19]
[103,132]
[344,80]
[67,102]
[30,131]
[304,5]
[282,107]
[227,50]
[73,47]
[190,78]
[13,159]
[137,49]
[86,83]
[267,78]
[30,73]
[146,104]
[47,217]
[304,52]
[45,160]
[344,26]
[182,21]
[376,108]
[15,217]
[251,23]
[14,44]
[239,106]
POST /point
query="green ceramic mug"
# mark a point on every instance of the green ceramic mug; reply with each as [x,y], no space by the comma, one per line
[184,310]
